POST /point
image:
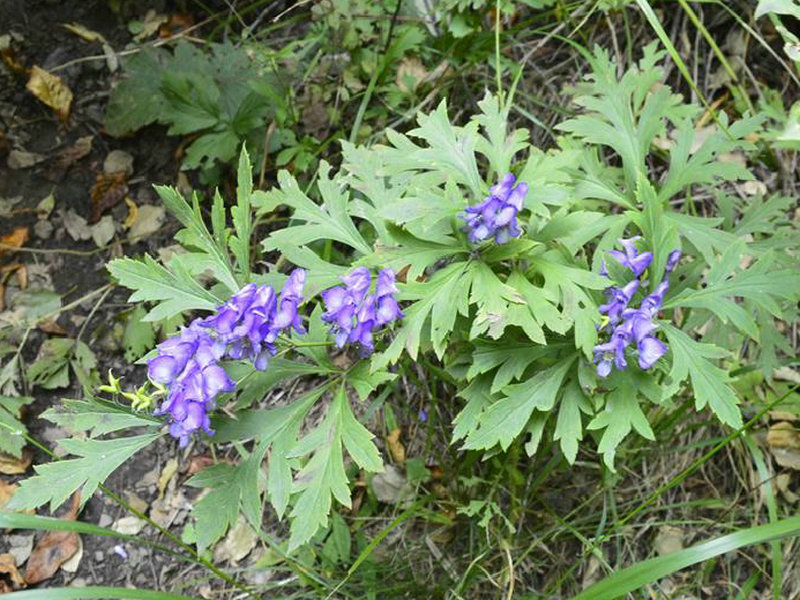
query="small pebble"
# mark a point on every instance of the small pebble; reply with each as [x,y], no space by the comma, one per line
[105,520]
[43,229]
[99,556]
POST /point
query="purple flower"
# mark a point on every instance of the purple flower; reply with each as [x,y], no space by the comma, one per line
[354,314]
[631,258]
[244,327]
[497,214]
[632,324]
[618,299]
[672,260]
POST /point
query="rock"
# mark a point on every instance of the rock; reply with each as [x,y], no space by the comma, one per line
[43,229]
[19,159]
[105,520]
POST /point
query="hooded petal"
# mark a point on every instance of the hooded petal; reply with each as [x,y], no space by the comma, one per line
[650,350]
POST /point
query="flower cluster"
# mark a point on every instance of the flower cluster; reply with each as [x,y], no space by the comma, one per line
[633,325]
[496,215]
[354,314]
[244,327]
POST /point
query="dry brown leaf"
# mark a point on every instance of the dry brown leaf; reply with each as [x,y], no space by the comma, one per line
[783,435]
[396,448]
[5,272]
[6,491]
[176,23]
[11,465]
[51,90]
[8,566]
[668,540]
[109,189]
[53,550]
[199,463]
[782,482]
[69,156]
[15,239]
[787,457]
[239,542]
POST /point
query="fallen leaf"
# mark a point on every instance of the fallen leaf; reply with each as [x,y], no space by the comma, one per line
[71,564]
[754,188]
[391,486]
[76,226]
[149,220]
[103,231]
[176,23]
[69,156]
[83,32]
[410,73]
[118,161]
[45,206]
[782,482]
[167,473]
[668,539]
[150,25]
[52,551]
[108,191]
[396,448]
[133,213]
[128,525]
[783,435]
[15,239]
[8,566]
[239,542]
[51,90]
[199,463]
[9,57]
[787,374]
[11,465]
[6,491]
[786,457]
[5,273]
[19,159]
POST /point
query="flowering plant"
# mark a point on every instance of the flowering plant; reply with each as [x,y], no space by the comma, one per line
[494,259]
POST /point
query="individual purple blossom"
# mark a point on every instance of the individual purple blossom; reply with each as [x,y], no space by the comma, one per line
[354,314]
[246,326]
[632,258]
[672,260]
[496,216]
[618,299]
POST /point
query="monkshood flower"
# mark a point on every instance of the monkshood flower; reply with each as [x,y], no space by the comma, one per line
[246,326]
[496,216]
[633,325]
[356,315]
[632,259]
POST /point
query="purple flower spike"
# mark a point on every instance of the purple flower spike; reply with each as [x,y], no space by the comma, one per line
[496,216]
[244,327]
[632,324]
[355,315]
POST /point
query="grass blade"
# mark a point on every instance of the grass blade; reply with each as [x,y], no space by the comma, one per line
[647,571]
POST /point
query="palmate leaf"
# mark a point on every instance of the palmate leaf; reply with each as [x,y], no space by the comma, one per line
[173,287]
[498,146]
[620,415]
[413,253]
[323,475]
[97,417]
[504,420]
[330,221]
[436,303]
[709,383]
[242,218]
[237,488]
[56,481]
[759,284]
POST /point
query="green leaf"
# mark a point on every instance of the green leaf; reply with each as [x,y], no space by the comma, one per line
[97,417]
[493,299]
[504,420]
[242,218]
[173,288]
[366,381]
[327,222]
[621,414]
[781,7]
[630,579]
[54,482]
[709,382]
[51,369]
[137,101]
[512,358]
[12,430]
[139,335]
[324,475]
[436,303]
[412,252]
[569,425]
